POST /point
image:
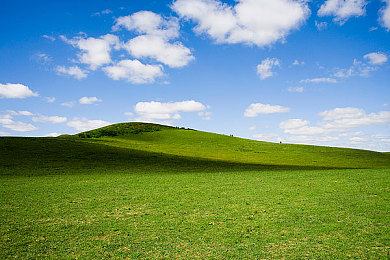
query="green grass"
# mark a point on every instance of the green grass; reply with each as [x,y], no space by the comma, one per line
[149,191]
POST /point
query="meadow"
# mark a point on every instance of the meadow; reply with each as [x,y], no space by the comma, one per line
[150,191]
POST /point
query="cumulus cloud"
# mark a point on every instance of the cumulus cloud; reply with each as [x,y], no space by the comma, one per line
[352,134]
[295,89]
[258,108]
[73,71]
[252,22]
[19,113]
[95,52]
[342,10]
[68,104]
[89,100]
[384,15]
[150,111]
[50,119]
[7,122]
[304,139]
[319,80]
[173,55]
[358,68]
[10,90]
[134,71]
[321,25]
[265,137]
[83,124]
[297,63]
[50,99]
[293,123]
[205,115]
[264,69]
[336,120]
[155,39]
[106,11]
[376,58]
[146,22]
[340,113]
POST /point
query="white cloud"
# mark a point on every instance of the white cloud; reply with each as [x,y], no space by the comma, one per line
[50,119]
[42,58]
[293,123]
[358,68]
[134,71]
[149,111]
[303,139]
[319,80]
[106,11]
[357,139]
[374,28]
[173,55]
[128,114]
[295,89]
[252,128]
[52,135]
[4,133]
[154,41]
[347,121]
[205,115]
[95,51]
[10,90]
[68,104]
[83,124]
[264,69]
[265,137]
[376,58]
[19,113]
[336,120]
[73,71]
[342,10]
[89,100]
[7,122]
[384,15]
[352,134]
[321,25]
[255,109]
[146,22]
[50,99]
[342,113]
[51,38]
[253,22]
[297,63]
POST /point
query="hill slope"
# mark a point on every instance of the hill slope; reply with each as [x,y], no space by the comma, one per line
[140,147]
[197,144]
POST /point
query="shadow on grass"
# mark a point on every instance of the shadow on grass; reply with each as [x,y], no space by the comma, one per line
[44,156]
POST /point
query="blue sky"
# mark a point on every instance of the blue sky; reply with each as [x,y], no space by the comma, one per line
[310,72]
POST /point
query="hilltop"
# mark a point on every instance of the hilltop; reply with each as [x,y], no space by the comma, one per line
[197,144]
[144,147]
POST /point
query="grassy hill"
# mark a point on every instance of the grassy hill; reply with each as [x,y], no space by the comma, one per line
[148,191]
[191,143]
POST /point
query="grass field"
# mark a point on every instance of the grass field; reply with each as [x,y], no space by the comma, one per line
[146,191]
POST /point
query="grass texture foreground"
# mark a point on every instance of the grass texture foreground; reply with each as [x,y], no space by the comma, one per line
[150,191]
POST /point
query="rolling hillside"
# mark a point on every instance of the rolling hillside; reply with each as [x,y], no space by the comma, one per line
[145,147]
[148,191]
[197,144]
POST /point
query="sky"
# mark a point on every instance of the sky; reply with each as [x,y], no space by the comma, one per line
[295,71]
